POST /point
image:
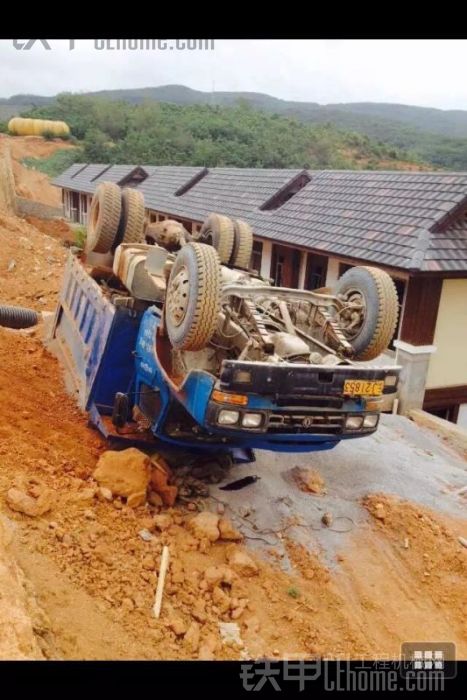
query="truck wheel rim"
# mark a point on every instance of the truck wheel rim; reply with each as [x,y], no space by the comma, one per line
[178,297]
[353,315]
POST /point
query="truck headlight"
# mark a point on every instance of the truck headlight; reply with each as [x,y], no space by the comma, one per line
[226,417]
[252,420]
[242,376]
[354,422]
[371,421]
[391,380]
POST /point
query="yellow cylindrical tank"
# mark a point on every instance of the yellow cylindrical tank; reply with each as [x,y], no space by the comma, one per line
[38,127]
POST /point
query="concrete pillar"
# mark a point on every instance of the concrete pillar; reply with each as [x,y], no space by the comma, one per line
[414,360]
[266,259]
[302,270]
[333,272]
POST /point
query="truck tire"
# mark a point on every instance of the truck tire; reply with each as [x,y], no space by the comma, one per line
[192,301]
[104,218]
[131,228]
[243,245]
[120,410]
[17,317]
[218,231]
[379,295]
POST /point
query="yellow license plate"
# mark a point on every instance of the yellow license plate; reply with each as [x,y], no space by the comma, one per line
[361,387]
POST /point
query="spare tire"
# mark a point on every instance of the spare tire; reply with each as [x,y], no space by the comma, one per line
[375,290]
[243,245]
[104,218]
[17,317]
[131,228]
[192,300]
[218,231]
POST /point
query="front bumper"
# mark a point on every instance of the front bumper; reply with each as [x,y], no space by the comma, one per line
[298,402]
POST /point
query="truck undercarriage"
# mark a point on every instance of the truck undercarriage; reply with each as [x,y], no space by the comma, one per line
[210,353]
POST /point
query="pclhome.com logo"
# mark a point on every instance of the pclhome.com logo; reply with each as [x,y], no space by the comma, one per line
[123,44]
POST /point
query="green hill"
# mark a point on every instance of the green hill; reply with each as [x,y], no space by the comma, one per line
[163,133]
[431,135]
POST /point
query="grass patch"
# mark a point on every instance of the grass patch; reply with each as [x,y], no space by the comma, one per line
[293,592]
[80,236]
[56,163]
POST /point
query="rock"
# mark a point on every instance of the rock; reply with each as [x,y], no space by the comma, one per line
[136,499]
[89,514]
[205,526]
[160,476]
[155,500]
[241,563]
[327,519]
[221,508]
[162,521]
[208,648]
[85,495]
[104,494]
[198,610]
[192,636]
[220,599]
[309,480]
[228,532]
[379,511]
[463,541]
[30,505]
[177,625]
[145,535]
[215,575]
[230,633]
[149,563]
[126,473]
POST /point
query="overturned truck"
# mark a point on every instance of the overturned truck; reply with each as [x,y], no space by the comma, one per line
[170,336]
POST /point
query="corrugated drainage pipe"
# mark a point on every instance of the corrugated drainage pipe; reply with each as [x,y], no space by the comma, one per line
[17,317]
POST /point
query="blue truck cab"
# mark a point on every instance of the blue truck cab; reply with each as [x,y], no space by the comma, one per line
[113,348]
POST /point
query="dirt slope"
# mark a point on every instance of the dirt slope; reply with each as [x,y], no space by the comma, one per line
[31,263]
[90,568]
[30,183]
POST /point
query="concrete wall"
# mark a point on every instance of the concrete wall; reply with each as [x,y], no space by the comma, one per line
[462,419]
[448,366]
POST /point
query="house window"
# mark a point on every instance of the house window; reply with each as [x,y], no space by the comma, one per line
[256,256]
[316,271]
[343,267]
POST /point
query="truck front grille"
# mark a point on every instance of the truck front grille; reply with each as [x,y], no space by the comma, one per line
[310,422]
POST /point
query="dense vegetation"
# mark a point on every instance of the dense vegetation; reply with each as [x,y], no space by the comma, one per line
[434,135]
[54,164]
[237,136]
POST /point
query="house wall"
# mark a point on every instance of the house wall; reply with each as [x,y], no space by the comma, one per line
[333,272]
[462,417]
[448,365]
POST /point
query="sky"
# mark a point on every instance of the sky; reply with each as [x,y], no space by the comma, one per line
[416,72]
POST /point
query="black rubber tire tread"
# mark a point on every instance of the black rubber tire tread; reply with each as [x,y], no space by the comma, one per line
[18,317]
[382,309]
[120,409]
[243,245]
[132,220]
[201,319]
[102,232]
[219,231]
